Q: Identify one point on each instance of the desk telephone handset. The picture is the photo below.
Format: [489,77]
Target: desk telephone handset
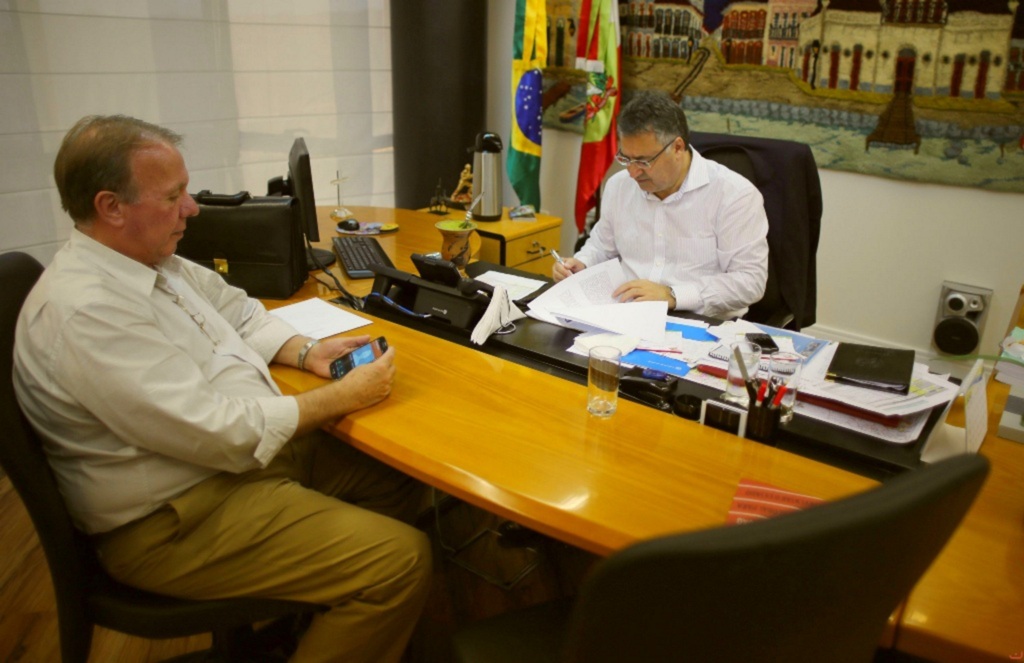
[438,270]
[439,293]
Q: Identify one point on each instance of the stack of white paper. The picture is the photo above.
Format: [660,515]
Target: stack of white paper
[584,301]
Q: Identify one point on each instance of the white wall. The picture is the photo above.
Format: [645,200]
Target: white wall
[886,245]
[240,79]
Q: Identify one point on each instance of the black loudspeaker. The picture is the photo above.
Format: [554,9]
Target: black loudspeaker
[960,318]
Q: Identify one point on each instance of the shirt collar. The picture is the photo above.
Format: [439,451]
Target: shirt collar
[132,274]
[696,177]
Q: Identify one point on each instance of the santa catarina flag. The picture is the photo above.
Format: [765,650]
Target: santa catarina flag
[529,54]
[597,53]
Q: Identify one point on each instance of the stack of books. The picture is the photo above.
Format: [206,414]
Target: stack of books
[1010,366]
[1011,422]
[1010,369]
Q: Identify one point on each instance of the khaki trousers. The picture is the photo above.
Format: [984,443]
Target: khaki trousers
[320,524]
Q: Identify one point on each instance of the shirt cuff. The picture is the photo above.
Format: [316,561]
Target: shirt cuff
[687,297]
[281,420]
[274,333]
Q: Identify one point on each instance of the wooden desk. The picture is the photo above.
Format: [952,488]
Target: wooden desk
[520,443]
[416,234]
[969,606]
[525,245]
[521,244]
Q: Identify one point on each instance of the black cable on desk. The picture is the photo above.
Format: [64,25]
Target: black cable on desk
[397,306]
[346,297]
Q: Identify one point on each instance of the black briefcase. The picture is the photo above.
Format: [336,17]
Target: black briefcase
[255,243]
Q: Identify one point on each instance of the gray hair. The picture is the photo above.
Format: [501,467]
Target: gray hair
[96,155]
[654,111]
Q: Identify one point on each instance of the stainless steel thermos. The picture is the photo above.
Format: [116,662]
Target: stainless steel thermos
[487,179]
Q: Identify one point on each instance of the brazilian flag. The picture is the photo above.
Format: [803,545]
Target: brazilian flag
[529,53]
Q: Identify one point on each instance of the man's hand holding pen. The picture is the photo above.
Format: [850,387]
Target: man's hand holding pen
[565,267]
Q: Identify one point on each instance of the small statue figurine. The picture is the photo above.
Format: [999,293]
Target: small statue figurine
[437,201]
[464,191]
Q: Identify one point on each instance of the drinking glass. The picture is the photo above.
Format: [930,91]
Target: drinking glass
[603,380]
[784,379]
[736,387]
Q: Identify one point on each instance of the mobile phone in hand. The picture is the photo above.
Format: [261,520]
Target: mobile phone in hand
[364,354]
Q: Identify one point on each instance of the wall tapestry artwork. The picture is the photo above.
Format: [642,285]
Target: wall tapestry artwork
[925,90]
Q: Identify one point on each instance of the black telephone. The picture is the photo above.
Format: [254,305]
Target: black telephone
[436,269]
[460,305]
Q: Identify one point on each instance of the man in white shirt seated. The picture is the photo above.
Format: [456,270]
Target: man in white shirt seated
[687,230]
[146,376]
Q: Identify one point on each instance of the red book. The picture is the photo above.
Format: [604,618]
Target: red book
[756,501]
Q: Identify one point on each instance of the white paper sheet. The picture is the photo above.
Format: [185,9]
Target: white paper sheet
[644,320]
[946,440]
[594,285]
[516,286]
[316,318]
[499,316]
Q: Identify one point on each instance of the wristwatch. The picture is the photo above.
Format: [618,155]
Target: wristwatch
[304,351]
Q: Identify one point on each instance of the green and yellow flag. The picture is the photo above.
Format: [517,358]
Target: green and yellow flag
[529,54]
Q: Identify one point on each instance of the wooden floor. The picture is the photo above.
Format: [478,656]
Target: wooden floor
[28,617]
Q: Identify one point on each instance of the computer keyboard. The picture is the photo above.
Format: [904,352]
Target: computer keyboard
[357,252]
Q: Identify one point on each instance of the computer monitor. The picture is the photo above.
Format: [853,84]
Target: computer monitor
[299,185]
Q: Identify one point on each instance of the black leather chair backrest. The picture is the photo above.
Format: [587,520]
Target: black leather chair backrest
[787,177]
[771,309]
[816,585]
[22,458]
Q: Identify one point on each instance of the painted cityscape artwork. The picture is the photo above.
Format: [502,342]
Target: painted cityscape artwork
[926,90]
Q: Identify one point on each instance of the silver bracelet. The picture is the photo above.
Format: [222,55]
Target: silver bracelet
[304,351]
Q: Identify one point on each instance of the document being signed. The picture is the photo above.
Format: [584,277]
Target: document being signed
[584,301]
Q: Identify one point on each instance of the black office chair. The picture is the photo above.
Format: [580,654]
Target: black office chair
[815,585]
[787,177]
[86,595]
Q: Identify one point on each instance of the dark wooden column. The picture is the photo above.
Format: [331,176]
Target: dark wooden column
[439,64]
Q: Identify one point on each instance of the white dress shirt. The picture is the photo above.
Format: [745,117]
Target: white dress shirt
[707,241]
[142,383]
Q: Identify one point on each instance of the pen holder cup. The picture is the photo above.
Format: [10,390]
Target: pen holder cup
[762,423]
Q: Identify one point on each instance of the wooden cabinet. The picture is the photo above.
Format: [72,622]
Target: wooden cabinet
[525,245]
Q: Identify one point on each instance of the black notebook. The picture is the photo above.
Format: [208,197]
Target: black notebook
[886,369]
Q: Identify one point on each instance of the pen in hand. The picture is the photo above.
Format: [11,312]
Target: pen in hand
[558,258]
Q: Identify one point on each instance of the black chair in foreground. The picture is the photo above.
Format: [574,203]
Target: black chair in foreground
[86,595]
[815,585]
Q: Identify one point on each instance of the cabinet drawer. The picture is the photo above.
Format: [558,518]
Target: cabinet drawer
[532,246]
[541,266]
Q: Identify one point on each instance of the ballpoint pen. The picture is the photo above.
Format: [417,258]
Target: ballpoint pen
[558,258]
[751,391]
[777,401]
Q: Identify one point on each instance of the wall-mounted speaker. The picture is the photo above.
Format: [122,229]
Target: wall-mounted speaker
[960,318]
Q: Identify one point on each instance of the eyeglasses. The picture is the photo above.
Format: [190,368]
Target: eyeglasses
[642,163]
